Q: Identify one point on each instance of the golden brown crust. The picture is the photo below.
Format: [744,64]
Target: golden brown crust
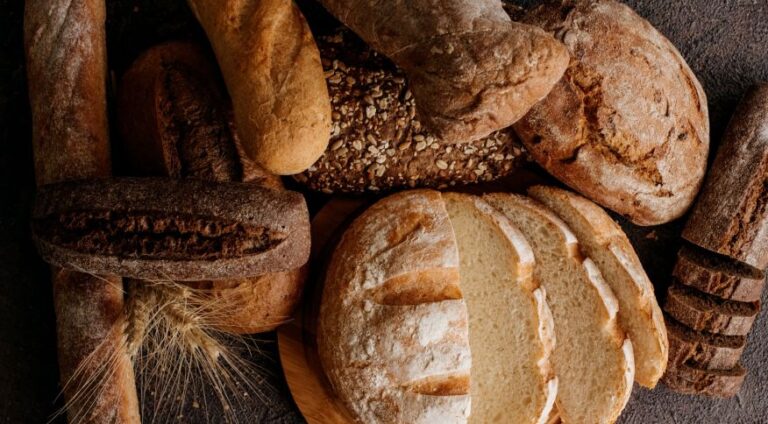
[272,69]
[472,70]
[628,125]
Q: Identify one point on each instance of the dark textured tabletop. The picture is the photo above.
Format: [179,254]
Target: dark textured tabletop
[724,41]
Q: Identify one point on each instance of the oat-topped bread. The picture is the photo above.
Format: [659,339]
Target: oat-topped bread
[377,140]
[472,70]
[604,242]
[627,126]
[428,308]
[593,359]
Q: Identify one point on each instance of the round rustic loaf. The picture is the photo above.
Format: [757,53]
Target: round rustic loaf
[628,125]
[378,143]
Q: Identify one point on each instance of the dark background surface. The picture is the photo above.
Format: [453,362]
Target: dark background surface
[724,41]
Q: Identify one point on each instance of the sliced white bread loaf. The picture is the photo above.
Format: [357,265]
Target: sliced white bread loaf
[393,336]
[511,331]
[605,243]
[593,359]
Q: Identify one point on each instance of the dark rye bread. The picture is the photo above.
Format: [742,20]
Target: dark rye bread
[731,215]
[707,350]
[694,380]
[718,275]
[377,141]
[703,312]
[154,228]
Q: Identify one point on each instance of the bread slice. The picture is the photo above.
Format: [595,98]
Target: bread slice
[707,350]
[604,242]
[694,380]
[511,331]
[593,359]
[718,275]
[393,335]
[704,312]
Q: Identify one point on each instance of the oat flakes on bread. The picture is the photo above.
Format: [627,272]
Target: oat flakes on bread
[593,358]
[627,126]
[605,243]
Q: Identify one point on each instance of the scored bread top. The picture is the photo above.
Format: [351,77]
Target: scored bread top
[393,331]
[593,359]
[604,241]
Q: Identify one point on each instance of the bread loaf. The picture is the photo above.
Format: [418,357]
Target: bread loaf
[694,380]
[707,350]
[628,125]
[593,359]
[66,71]
[703,312]
[160,229]
[377,140]
[603,241]
[731,215]
[472,70]
[272,69]
[718,275]
[395,334]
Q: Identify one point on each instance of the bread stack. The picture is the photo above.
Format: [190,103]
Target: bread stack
[459,308]
[719,275]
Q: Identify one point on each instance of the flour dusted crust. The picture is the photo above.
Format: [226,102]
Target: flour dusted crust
[628,125]
[396,355]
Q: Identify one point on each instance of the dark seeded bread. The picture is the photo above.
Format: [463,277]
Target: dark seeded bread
[707,350]
[718,275]
[703,312]
[377,143]
[693,380]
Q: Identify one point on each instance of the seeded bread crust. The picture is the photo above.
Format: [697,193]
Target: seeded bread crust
[377,140]
[703,312]
[718,276]
[374,324]
[627,126]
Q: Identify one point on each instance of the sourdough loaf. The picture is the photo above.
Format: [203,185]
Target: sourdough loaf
[695,380]
[703,312]
[706,350]
[718,275]
[731,215]
[377,140]
[603,241]
[593,359]
[272,69]
[472,70]
[627,126]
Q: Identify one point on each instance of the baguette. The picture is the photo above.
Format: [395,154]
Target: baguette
[174,121]
[66,69]
[472,70]
[628,125]
[718,275]
[703,312]
[731,215]
[604,241]
[272,69]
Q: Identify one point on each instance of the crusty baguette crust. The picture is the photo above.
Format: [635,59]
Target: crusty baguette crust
[628,125]
[272,69]
[66,70]
[731,215]
[607,244]
[703,312]
[373,354]
[471,69]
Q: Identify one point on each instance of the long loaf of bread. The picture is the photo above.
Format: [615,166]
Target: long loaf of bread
[472,70]
[272,69]
[66,69]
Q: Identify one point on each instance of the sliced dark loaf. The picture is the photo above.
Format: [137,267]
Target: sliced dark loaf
[717,275]
[377,143]
[694,380]
[707,350]
[703,312]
